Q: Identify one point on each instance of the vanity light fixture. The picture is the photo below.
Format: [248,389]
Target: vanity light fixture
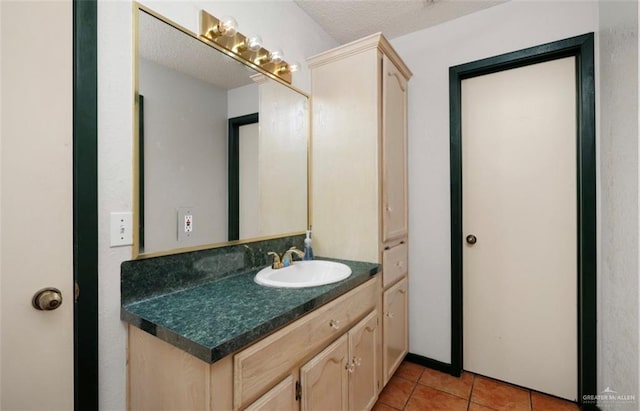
[227,26]
[251,43]
[289,68]
[224,33]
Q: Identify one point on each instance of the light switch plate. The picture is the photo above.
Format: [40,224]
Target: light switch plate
[121,229]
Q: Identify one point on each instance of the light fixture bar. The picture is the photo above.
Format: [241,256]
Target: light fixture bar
[244,47]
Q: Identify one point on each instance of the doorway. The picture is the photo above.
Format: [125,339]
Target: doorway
[576,54]
[240,176]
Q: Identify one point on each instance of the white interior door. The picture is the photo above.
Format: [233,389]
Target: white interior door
[520,202]
[36,347]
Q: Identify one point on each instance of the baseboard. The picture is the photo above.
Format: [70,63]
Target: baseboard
[431,363]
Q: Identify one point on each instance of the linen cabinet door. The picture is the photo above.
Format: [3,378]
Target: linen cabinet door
[282,397]
[395,337]
[394,152]
[364,370]
[325,379]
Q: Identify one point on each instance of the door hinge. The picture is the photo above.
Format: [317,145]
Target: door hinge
[298,391]
[76,291]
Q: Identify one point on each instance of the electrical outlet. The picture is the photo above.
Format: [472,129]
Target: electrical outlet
[185,223]
[188,223]
[121,229]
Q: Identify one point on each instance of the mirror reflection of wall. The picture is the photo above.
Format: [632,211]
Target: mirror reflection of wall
[191,90]
[281,164]
[185,148]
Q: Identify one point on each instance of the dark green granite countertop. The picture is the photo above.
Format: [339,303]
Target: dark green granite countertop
[215,319]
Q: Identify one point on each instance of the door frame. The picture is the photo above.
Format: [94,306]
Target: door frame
[234,171]
[580,47]
[85,204]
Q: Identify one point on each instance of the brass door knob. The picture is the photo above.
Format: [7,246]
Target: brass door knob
[471,239]
[47,299]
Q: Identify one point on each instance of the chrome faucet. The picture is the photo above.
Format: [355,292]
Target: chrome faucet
[286,259]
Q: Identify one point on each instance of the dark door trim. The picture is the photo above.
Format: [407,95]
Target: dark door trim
[234,171]
[85,204]
[140,172]
[582,48]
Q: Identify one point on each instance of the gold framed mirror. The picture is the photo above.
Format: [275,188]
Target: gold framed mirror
[221,147]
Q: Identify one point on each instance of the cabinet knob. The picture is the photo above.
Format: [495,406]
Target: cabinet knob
[335,324]
[357,361]
[350,367]
[389,315]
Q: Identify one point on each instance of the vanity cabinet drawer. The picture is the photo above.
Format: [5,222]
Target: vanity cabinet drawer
[263,364]
[394,264]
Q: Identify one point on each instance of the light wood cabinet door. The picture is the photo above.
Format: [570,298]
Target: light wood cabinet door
[262,365]
[394,263]
[325,379]
[364,360]
[394,152]
[395,339]
[282,397]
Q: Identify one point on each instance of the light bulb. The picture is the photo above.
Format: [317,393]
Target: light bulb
[228,26]
[254,42]
[294,66]
[276,56]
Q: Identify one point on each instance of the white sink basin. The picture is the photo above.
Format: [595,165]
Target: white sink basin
[303,274]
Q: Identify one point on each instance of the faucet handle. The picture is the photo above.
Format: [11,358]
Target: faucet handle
[295,251]
[287,257]
[276,260]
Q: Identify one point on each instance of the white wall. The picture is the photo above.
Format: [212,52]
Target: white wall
[185,147]
[115,189]
[618,128]
[243,100]
[275,21]
[1,99]
[429,54]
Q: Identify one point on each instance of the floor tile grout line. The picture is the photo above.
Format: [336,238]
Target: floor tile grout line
[415,384]
[443,391]
[473,384]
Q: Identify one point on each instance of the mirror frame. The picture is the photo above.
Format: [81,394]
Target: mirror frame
[138,174]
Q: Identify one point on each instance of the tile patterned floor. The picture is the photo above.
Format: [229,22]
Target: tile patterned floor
[416,388]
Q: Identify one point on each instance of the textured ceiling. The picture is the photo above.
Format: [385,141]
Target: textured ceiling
[348,20]
[168,46]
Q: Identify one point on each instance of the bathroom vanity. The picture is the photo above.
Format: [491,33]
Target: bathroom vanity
[230,343]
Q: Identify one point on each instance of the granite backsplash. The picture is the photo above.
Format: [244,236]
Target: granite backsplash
[151,277]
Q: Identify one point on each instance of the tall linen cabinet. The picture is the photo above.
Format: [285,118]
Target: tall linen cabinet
[359,172]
